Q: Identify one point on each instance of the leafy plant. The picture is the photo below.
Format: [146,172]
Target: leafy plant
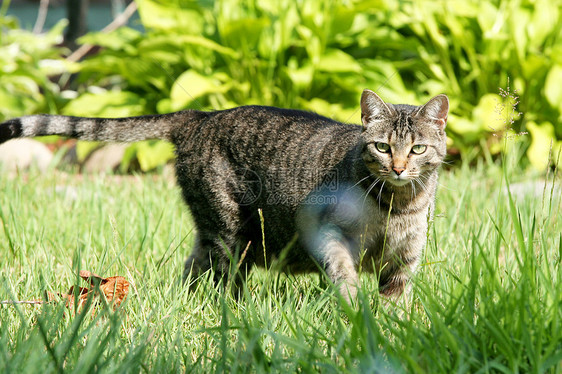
[319,55]
[471,50]
[26,63]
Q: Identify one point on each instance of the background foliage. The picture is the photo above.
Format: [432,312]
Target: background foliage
[315,55]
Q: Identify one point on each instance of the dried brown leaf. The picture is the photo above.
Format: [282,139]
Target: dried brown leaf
[90,277]
[114,289]
[83,294]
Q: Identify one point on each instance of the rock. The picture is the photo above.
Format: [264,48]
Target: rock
[533,188]
[18,154]
[107,158]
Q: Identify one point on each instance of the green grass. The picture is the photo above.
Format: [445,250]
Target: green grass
[488,297]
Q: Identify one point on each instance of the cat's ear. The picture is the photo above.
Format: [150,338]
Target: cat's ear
[372,107]
[435,110]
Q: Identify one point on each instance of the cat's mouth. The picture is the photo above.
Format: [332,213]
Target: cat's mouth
[398,180]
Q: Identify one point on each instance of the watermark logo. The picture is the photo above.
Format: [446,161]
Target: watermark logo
[285,186]
[247,187]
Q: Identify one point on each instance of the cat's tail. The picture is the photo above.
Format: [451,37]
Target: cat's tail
[129,129]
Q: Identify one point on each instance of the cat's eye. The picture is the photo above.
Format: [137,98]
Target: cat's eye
[382,147]
[419,149]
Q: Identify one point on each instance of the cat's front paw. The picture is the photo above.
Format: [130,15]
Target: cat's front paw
[395,292]
[348,291]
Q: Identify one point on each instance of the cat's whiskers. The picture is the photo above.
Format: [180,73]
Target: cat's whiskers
[424,177]
[367,177]
[379,197]
[421,183]
[370,189]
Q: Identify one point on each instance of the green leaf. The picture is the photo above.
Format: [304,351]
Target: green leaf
[110,104]
[153,153]
[490,114]
[55,33]
[16,103]
[469,130]
[242,33]
[553,87]
[51,67]
[84,148]
[487,17]
[535,65]
[181,42]
[164,106]
[543,139]
[191,85]
[120,39]
[302,76]
[337,61]
[544,21]
[520,16]
[208,44]
[171,17]
[128,157]
[336,111]
[342,20]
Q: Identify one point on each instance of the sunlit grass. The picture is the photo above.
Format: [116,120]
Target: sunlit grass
[486,299]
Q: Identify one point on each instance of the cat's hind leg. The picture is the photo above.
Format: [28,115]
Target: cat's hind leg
[222,254]
[214,195]
[198,262]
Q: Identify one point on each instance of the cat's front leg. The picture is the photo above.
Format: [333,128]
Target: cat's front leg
[394,282]
[339,264]
[404,243]
[394,286]
[329,233]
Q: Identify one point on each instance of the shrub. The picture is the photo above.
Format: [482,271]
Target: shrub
[319,56]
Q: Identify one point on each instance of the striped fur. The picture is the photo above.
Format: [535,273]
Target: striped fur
[129,129]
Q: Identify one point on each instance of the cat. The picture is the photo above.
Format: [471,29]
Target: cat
[330,196]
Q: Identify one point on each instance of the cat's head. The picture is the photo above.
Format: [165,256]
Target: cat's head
[403,142]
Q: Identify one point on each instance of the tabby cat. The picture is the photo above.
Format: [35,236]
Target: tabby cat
[329,195]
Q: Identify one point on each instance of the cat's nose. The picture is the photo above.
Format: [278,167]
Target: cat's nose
[398,170]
